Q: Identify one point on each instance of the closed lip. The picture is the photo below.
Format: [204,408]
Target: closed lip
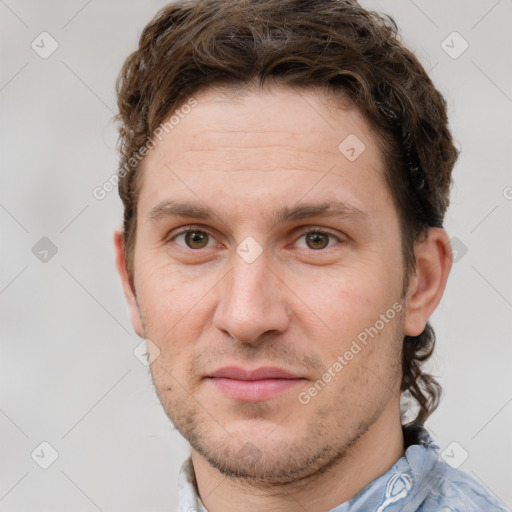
[262,373]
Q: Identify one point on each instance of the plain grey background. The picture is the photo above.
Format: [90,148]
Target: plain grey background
[69,375]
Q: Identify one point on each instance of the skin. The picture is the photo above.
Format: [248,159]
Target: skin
[295,307]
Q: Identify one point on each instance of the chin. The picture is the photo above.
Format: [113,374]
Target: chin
[264,456]
[267,465]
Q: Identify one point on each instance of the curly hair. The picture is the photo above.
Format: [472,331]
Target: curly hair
[337,45]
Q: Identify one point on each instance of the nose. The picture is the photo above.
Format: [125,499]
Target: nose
[253,302]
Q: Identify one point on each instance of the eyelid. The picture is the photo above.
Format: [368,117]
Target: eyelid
[185,229]
[316,229]
[302,230]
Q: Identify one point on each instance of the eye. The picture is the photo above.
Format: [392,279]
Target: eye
[194,239]
[317,240]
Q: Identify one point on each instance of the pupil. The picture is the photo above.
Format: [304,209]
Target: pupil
[196,239]
[317,240]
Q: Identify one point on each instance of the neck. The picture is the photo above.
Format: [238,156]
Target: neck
[371,456]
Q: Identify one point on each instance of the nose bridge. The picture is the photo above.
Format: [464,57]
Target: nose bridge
[252,301]
[249,285]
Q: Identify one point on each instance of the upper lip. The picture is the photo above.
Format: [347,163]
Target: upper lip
[262,373]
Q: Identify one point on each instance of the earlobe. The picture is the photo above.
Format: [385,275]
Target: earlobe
[128,288]
[426,287]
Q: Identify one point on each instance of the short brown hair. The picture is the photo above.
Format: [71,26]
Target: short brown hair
[334,44]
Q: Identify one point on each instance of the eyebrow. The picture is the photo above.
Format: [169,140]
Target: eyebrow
[328,209]
[168,209]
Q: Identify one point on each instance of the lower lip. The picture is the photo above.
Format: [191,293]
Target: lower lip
[254,390]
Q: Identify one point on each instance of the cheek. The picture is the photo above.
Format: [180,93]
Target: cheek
[175,308]
[347,300]
[166,290]
[370,374]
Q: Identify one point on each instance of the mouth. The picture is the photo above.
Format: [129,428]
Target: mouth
[256,385]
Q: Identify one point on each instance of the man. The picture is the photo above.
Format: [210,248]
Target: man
[285,171]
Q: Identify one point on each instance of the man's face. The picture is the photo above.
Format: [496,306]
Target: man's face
[249,311]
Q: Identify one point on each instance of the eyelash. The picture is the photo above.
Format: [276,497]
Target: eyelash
[308,231]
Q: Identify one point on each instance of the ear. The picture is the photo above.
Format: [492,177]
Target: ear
[129,290]
[426,287]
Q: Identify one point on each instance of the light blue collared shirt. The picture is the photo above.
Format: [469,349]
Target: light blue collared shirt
[418,482]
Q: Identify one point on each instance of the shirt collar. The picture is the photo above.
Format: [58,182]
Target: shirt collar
[418,481]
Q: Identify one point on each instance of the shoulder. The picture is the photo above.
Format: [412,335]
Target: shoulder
[444,488]
[454,490]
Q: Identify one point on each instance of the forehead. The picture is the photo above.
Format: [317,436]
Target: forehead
[298,117]
[279,142]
